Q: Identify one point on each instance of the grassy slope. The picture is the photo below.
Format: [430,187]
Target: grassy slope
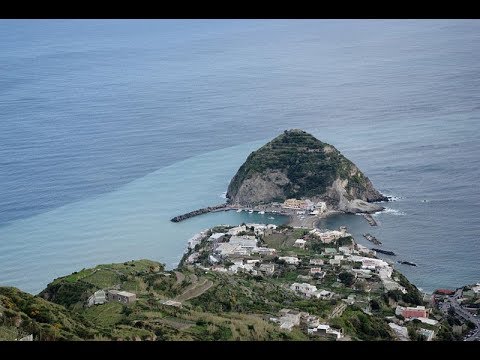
[23,314]
[234,307]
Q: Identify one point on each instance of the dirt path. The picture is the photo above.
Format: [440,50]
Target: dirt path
[194,290]
[180,277]
[338,311]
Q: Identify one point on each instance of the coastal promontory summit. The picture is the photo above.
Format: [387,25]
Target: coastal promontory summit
[297,166]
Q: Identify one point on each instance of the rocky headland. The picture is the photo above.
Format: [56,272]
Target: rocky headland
[297,165]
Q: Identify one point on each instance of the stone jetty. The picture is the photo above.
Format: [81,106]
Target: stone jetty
[199,212]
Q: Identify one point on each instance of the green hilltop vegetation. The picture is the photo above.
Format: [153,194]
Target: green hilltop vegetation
[212,305]
[301,166]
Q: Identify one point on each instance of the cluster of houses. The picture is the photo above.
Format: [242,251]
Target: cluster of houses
[304,206]
[288,318]
[238,249]
[329,236]
[410,313]
[101,297]
[235,246]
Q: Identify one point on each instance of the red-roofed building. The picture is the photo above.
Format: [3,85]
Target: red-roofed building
[415,312]
[444,292]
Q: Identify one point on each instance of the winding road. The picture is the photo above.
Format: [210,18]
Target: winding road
[452,301]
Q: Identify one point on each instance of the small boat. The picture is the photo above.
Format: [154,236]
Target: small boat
[239,210]
[407,263]
[271,217]
[261,212]
[250,211]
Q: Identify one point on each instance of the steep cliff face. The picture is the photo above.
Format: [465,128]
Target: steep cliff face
[297,165]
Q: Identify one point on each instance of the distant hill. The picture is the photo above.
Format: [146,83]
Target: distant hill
[297,165]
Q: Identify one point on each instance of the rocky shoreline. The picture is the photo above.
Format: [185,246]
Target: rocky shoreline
[294,219]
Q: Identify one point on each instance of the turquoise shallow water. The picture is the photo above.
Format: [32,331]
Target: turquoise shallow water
[129,223]
[110,128]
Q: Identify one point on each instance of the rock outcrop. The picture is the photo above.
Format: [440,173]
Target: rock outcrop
[297,165]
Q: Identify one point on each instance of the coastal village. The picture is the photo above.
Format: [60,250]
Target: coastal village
[257,281]
[324,265]
[264,282]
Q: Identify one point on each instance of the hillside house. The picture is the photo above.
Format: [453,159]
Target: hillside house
[325,330]
[317,262]
[304,288]
[412,312]
[291,260]
[289,319]
[267,269]
[317,273]
[300,243]
[98,298]
[124,297]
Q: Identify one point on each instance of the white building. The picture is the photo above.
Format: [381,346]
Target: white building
[264,251]
[325,330]
[98,298]
[268,269]
[245,242]
[345,250]
[216,237]
[227,249]
[365,251]
[363,273]
[316,262]
[219,268]
[300,243]
[317,272]
[330,236]
[288,319]
[240,266]
[321,206]
[291,260]
[323,294]
[400,331]
[309,291]
[428,321]
[303,288]
[236,230]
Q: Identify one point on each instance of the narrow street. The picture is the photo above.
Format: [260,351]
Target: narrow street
[452,301]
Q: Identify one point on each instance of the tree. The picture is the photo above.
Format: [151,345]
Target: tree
[347,278]
[345,241]
[374,305]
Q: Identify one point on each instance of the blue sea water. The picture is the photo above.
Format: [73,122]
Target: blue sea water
[108,128]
